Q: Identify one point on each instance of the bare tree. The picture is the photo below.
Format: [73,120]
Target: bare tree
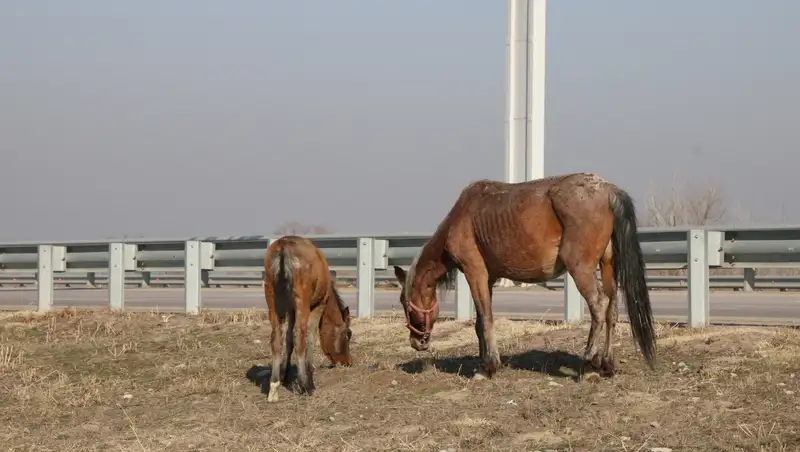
[692,206]
[689,206]
[297,228]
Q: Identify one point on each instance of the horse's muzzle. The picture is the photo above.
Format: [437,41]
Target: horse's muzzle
[419,344]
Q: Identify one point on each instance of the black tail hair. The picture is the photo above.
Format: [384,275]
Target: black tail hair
[629,272]
[283,279]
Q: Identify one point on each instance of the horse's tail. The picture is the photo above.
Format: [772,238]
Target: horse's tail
[629,272]
[282,265]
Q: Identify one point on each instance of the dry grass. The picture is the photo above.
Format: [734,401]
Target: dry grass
[81,380]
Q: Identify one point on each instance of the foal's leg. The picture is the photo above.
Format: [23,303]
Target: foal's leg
[304,372]
[280,359]
[307,360]
[289,347]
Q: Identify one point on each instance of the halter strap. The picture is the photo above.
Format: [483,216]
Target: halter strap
[425,312]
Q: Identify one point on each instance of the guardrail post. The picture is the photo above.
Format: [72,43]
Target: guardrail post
[749,280]
[698,279]
[44,278]
[464,304]
[192,277]
[116,276]
[573,301]
[365,283]
[145,280]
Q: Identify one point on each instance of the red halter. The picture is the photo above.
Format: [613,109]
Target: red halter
[425,312]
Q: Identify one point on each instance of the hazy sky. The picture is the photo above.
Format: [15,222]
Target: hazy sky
[225,118]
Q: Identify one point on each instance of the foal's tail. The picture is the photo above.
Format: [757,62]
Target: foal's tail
[629,271]
[282,265]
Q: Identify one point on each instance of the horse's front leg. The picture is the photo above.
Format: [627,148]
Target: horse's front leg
[481,291]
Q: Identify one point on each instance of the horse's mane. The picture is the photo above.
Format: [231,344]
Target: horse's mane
[338,297]
[434,249]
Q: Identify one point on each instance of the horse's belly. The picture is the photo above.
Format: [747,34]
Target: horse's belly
[522,267]
[538,273]
[519,237]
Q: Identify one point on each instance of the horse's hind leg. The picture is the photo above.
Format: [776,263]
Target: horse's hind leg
[612,312]
[581,264]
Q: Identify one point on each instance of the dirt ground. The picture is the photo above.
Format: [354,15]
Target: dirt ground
[86,381]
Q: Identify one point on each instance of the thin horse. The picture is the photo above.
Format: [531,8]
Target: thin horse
[533,232]
[302,298]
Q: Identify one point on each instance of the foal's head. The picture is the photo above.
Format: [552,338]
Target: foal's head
[420,305]
[335,331]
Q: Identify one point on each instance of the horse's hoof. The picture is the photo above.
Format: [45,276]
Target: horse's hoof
[492,365]
[479,376]
[595,363]
[607,369]
[591,377]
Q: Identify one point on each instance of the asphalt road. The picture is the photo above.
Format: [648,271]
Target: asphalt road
[726,307]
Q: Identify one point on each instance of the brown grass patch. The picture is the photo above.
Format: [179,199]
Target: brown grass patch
[83,380]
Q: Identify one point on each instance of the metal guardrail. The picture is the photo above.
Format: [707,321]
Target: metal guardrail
[697,250]
[211,280]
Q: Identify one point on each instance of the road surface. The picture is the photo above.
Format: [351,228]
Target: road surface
[726,307]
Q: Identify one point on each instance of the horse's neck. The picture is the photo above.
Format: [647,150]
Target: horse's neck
[332,309]
[430,265]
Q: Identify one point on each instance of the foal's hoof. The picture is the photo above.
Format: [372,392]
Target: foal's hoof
[308,390]
[479,375]
[273,391]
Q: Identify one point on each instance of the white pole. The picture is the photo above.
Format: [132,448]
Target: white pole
[525,87]
[515,86]
[537,43]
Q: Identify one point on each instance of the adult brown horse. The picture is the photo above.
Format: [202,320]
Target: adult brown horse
[302,298]
[533,232]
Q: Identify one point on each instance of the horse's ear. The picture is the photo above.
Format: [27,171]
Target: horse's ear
[400,274]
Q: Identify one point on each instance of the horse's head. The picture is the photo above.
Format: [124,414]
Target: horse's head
[335,334]
[420,305]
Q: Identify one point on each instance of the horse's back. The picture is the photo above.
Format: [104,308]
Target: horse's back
[512,226]
[519,226]
[301,248]
[308,262]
